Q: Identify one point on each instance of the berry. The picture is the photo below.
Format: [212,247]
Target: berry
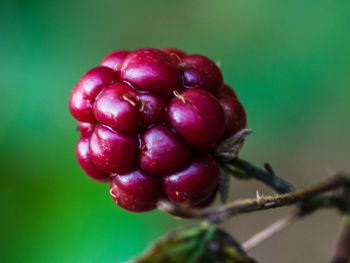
[136,191]
[84,93]
[226,90]
[202,73]
[115,60]
[113,152]
[85,128]
[235,116]
[201,205]
[117,106]
[198,117]
[163,151]
[195,183]
[208,201]
[176,54]
[149,121]
[86,163]
[151,70]
[152,110]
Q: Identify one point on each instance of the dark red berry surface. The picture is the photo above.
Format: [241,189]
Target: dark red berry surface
[149,121]
[85,92]
[208,201]
[151,70]
[136,191]
[115,60]
[152,109]
[202,73]
[85,128]
[201,205]
[117,106]
[112,151]
[236,118]
[163,151]
[198,117]
[86,163]
[195,183]
[226,90]
[176,54]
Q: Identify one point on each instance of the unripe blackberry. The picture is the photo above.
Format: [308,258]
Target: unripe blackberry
[149,121]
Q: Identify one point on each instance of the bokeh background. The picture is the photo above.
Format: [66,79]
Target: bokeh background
[288,61]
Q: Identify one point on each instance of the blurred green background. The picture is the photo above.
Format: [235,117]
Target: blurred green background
[288,60]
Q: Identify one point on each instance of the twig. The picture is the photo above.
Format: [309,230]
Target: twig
[269,231]
[218,214]
[338,199]
[227,153]
[266,176]
[342,249]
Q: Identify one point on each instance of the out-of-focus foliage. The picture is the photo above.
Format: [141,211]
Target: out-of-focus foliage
[195,244]
[288,61]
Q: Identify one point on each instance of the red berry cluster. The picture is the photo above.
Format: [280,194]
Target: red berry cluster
[149,120]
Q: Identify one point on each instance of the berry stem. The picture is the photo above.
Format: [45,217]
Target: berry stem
[267,176]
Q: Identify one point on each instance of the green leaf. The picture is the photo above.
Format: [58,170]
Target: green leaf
[195,244]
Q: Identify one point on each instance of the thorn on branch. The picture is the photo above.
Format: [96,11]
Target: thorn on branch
[269,169]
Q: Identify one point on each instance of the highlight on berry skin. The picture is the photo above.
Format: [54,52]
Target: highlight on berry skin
[149,121]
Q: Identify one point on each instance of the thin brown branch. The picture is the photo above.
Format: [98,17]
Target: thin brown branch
[269,231]
[342,249]
[221,213]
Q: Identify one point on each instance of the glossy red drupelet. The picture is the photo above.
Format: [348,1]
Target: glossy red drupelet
[198,116]
[136,191]
[115,60]
[149,120]
[85,92]
[163,151]
[86,163]
[112,151]
[235,116]
[117,106]
[193,184]
[202,73]
[151,70]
